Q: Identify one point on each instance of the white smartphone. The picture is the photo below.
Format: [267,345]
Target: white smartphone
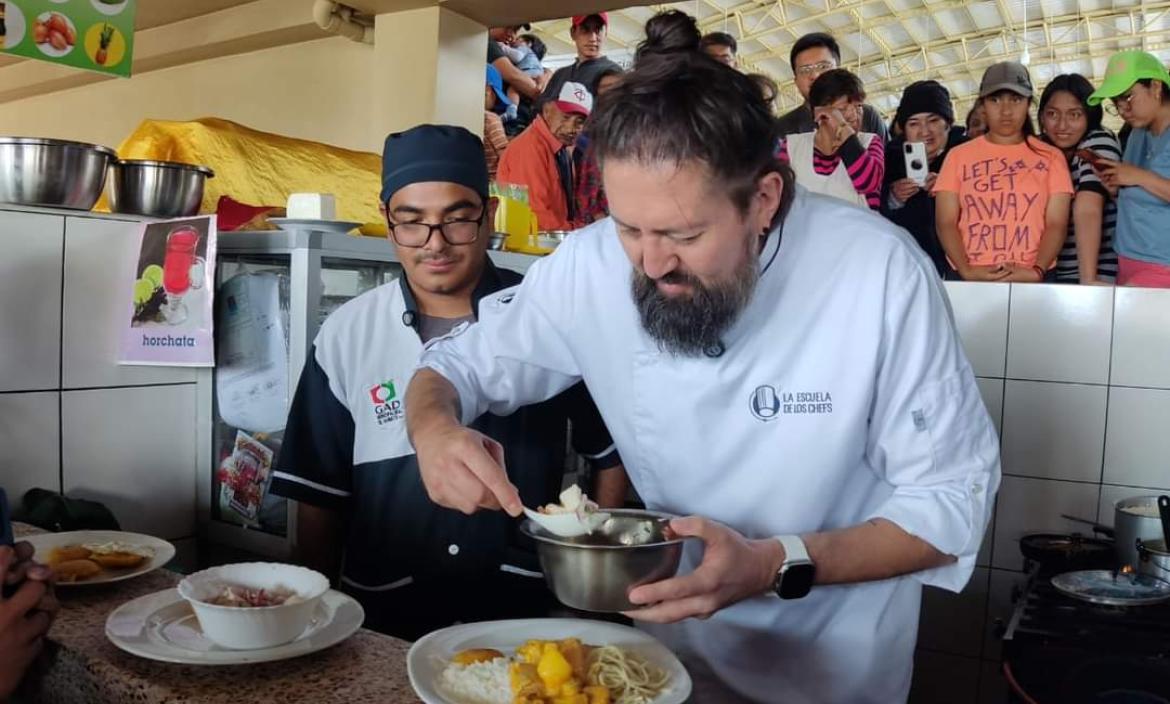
[917,167]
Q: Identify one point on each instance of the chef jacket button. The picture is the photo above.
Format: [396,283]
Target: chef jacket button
[976,488]
[715,350]
[452,549]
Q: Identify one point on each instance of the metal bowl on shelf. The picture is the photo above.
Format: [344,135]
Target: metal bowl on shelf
[595,572]
[497,241]
[161,189]
[52,173]
[551,239]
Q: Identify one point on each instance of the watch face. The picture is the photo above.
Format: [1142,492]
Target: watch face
[795,581]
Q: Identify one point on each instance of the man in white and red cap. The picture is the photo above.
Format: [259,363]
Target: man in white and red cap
[541,158]
[588,33]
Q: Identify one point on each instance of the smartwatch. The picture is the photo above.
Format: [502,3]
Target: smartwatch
[796,575]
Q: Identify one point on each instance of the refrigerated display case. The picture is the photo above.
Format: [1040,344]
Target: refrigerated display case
[273,291]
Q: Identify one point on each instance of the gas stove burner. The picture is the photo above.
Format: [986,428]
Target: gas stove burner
[1064,650]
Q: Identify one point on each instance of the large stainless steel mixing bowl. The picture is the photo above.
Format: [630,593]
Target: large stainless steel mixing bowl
[161,189]
[52,173]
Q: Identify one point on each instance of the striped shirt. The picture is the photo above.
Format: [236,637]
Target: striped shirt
[1085,179]
[495,141]
[866,166]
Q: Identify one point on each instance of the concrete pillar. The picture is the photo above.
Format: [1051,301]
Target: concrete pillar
[428,67]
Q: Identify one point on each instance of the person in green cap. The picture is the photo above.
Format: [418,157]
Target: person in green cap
[1138,86]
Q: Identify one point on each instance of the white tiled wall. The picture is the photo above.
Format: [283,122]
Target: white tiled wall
[1077,379]
[992,392]
[981,315]
[1141,338]
[1060,333]
[1053,431]
[1137,443]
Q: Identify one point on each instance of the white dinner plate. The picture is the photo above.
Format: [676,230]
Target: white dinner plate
[339,226]
[430,654]
[162,626]
[161,551]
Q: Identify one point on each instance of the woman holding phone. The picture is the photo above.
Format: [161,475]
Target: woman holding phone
[1002,200]
[926,118]
[1138,86]
[1070,124]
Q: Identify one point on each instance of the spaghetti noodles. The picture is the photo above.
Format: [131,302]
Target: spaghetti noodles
[629,678]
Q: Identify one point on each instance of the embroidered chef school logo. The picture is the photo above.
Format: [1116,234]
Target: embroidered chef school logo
[387,406]
[765,403]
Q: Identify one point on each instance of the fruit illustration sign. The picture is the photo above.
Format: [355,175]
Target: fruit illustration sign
[97,35]
[169,319]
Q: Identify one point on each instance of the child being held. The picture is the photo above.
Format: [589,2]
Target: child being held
[526,54]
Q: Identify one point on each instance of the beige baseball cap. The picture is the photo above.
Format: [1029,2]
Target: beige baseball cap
[1006,75]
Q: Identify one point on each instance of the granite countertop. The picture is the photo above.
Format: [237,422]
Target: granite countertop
[80,666]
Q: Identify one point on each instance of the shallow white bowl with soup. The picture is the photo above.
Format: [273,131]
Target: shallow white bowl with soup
[253,605]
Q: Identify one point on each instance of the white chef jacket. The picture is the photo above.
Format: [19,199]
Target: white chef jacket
[841,394]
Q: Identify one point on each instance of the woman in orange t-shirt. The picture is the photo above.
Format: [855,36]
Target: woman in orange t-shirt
[1002,200]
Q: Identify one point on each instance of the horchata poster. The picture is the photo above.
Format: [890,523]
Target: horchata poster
[169,321]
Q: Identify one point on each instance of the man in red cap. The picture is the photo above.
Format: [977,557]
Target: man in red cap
[541,158]
[588,33]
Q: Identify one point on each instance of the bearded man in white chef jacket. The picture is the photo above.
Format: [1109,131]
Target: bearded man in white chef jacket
[777,366]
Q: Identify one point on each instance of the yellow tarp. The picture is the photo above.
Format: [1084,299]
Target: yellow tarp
[259,168]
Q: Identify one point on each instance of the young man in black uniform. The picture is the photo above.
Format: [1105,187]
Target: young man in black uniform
[346,459]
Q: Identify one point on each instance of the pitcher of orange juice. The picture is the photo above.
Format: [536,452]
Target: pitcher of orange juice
[513,216]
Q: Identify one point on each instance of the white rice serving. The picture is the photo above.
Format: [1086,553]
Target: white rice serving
[478,683]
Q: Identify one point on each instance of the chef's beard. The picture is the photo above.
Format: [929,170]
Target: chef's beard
[689,324]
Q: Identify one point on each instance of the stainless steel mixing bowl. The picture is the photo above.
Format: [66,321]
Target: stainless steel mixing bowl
[161,189]
[52,173]
[596,572]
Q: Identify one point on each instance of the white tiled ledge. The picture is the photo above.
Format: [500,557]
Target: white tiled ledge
[1065,333]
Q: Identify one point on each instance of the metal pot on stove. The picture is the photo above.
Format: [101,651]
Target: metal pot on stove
[1135,519]
[1153,559]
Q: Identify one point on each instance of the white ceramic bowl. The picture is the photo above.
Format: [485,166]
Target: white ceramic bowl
[243,628]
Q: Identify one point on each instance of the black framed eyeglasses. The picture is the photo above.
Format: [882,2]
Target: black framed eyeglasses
[453,232]
[1120,103]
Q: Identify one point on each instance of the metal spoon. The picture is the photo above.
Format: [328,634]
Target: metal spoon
[567,525]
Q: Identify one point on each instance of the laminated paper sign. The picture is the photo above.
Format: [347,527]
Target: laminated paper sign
[95,35]
[169,321]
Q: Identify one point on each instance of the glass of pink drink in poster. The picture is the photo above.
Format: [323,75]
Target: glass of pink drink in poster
[182,271]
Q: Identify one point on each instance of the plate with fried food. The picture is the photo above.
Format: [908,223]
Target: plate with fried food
[100,556]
